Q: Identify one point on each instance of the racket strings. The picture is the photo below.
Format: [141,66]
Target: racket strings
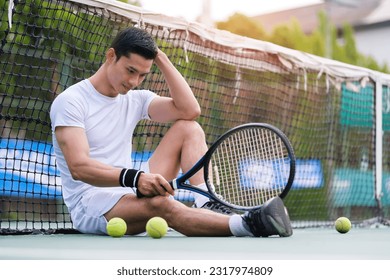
[250,166]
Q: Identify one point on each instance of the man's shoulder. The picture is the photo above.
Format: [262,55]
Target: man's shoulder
[81,85]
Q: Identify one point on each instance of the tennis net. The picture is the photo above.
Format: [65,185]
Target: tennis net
[337,116]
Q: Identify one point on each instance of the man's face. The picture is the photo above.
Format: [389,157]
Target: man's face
[128,72]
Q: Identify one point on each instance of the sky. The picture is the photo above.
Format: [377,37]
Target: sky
[220,9]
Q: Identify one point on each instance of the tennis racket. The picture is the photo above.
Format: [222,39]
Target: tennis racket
[245,167]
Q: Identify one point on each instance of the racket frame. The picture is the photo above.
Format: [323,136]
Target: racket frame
[181,181]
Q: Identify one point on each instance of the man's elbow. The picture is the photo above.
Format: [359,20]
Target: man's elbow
[77,176]
[195,113]
[76,172]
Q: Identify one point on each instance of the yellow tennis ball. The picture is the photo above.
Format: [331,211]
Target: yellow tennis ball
[343,225]
[156,227]
[116,227]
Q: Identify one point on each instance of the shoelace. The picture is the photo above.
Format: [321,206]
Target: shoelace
[256,225]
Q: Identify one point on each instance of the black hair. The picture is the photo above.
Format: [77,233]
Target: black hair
[134,40]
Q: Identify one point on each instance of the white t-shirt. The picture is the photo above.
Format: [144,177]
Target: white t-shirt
[109,123]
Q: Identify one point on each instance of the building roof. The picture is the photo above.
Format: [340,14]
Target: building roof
[357,13]
[380,14]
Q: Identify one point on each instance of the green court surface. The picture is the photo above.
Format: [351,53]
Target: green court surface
[305,244]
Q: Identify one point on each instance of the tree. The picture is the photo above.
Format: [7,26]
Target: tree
[244,26]
[132,2]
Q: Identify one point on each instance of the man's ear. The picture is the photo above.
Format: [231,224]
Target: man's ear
[110,55]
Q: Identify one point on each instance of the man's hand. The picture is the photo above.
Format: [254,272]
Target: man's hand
[150,184]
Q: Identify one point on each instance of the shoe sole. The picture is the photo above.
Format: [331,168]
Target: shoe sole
[282,231]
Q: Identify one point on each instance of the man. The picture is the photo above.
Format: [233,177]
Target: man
[93,123]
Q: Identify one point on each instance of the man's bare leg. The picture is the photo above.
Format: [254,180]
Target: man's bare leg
[188,221]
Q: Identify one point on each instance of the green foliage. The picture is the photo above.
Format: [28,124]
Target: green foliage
[291,36]
[351,52]
[131,2]
[243,25]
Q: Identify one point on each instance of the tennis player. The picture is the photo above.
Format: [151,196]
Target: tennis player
[93,122]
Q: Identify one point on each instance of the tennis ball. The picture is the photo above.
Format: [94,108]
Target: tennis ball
[343,225]
[156,227]
[116,227]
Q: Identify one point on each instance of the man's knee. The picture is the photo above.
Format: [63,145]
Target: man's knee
[166,205]
[191,128]
[159,203]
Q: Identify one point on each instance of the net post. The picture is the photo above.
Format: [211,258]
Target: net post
[378,142]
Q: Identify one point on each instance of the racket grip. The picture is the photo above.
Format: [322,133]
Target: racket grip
[173,184]
[139,194]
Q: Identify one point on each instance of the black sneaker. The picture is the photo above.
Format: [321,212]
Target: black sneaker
[271,219]
[217,207]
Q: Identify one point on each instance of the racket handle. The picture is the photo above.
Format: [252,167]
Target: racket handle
[173,184]
[139,194]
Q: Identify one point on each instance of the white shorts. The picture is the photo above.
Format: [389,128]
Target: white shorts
[88,215]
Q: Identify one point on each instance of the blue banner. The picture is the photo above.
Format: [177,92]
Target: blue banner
[261,174]
[27,169]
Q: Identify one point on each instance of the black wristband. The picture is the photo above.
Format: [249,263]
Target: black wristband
[129,178]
